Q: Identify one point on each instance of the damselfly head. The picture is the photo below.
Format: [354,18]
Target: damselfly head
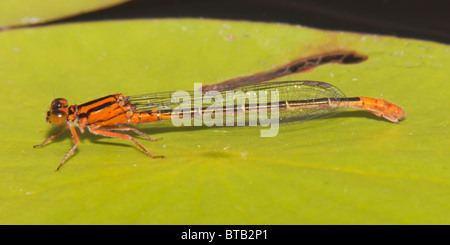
[58,112]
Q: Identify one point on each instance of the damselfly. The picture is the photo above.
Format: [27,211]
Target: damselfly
[297,100]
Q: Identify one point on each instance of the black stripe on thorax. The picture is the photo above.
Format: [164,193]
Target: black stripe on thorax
[97,100]
[97,108]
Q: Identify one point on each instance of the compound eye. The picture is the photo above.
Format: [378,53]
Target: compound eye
[57,117]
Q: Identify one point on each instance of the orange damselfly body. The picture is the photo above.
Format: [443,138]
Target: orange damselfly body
[296,100]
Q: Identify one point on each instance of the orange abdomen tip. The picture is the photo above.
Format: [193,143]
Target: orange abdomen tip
[383,108]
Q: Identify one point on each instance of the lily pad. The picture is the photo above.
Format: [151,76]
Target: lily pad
[353,168]
[29,12]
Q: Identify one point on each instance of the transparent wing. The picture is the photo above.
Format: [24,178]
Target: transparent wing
[297,100]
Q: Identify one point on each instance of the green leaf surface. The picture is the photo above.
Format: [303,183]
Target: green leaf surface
[353,168]
[29,12]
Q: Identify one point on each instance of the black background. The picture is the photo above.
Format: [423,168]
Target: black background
[427,20]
